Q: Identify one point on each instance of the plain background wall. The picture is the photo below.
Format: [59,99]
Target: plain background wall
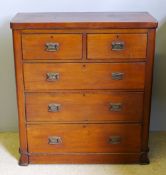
[8,107]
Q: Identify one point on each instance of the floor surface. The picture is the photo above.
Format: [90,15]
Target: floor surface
[9,161]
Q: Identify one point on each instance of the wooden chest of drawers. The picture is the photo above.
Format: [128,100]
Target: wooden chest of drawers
[84,86]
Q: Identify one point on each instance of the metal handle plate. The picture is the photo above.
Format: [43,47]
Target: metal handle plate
[118,45]
[52,47]
[114,140]
[54,107]
[115,107]
[117,76]
[54,140]
[52,76]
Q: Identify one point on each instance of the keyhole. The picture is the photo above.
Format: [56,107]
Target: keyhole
[84,126]
[84,66]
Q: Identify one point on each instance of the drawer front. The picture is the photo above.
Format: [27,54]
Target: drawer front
[52,46]
[79,107]
[119,46]
[84,76]
[61,138]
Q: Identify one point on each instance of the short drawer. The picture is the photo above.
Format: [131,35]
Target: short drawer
[52,46]
[118,46]
[84,107]
[42,76]
[78,138]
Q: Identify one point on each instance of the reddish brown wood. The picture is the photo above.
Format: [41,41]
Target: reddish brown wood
[34,46]
[100,46]
[85,86]
[83,20]
[85,158]
[147,97]
[86,31]
[84,76]
[84,107]
[87,138]
[24,160]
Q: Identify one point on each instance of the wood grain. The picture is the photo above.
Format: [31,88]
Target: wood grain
[84,107]
[70,46]
[85,138]
[85,87]
[85,158]
[84,76]
[148,91]
[24,159]
[90,20]
[100,46]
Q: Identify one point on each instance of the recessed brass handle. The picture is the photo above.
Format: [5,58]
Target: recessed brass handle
[115,107]
[52,76]
[52,47]
[54,140]
[117,76]
[118,45]
[114,140]
[54,107]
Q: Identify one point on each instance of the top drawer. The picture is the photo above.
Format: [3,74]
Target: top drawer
[52,46]
[118,46]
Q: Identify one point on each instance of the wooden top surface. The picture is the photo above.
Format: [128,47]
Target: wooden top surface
[83,20]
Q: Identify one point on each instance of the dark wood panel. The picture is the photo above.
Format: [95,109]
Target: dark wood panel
[84,76]
[100,46]
[84,138]
[67,46]
[85,158]
[84,107]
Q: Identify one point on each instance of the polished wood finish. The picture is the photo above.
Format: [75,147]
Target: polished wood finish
[24,159]
[100,46]
[85,158]
[84,76]
[94,138]
[90,20]
[148,92]
[34,46]
[84,107]
[101,96]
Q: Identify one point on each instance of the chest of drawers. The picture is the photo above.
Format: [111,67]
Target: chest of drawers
[84,86]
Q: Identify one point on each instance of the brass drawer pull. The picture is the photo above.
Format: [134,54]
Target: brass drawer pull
[52,76]
[115,107]
[54,140]
[54,107]
[118,45]
[117,76]
[114,140]
[52,47]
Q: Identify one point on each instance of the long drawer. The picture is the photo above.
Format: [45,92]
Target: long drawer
[40,76]
[78,138]
[84,107]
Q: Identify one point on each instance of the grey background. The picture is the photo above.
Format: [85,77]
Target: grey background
[8,105]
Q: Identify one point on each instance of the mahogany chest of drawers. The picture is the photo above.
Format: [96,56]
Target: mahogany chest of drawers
[84,86]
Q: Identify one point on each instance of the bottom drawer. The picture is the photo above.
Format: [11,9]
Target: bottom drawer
[84,138]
